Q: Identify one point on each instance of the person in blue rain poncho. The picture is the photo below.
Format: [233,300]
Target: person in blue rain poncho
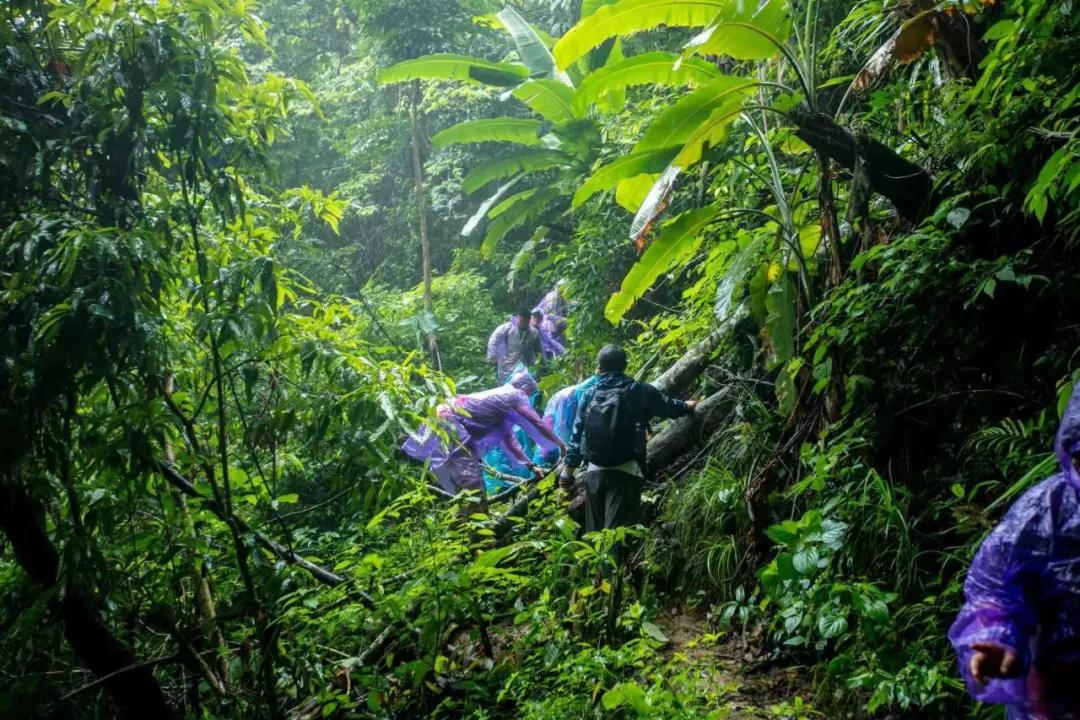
[560,412]
[1017,636]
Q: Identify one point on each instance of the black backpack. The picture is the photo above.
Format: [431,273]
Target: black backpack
[610,428]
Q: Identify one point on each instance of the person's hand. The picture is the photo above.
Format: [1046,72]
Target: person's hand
[566,479]
[991,660]
[537,472]
[691,405]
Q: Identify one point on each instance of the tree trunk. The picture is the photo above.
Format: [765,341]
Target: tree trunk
[135,690]
[681,435]
[908,186]
[687,368]
[204,598]
[422,212]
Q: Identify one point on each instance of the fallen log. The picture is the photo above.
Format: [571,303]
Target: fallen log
[686,369]
[684,433]
[908,186]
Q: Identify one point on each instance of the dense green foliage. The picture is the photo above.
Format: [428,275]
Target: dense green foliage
[215,337]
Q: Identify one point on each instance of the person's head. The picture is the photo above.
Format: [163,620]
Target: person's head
[524,382]
[611,358]
[521,318]
[537,318]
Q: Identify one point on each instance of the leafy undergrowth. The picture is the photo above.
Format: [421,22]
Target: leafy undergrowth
[481,619]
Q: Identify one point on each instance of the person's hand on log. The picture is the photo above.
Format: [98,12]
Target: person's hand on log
[537,472]
[566,479]
[691,405]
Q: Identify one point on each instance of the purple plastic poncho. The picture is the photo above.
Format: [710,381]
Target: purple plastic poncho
[508,346]
[550,334]
[474,424]
[553,303]
[1023,592]
[553,327]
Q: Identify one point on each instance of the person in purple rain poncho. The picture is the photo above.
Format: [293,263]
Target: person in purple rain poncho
[553,312]
[549,345]
[513,342]
[1018,634]
[476,423]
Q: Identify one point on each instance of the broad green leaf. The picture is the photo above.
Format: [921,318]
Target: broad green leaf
[655,68]
[482,211]
[632,193]
[780,322]
[676,242]
[745,30]
[677,124]
[709,134]
[531,49]
[614,99]
[501,167]
[491,558]
[520,213]
[503,129]
[806,560]
[633,16]
[653,631]
[627,166]
[510,202]
[449,66]
[550,99]
[588,7]
[831,623]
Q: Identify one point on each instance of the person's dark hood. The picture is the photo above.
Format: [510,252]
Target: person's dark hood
[1068,437]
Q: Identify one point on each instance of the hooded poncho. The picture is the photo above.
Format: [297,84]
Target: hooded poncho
[475,424]
[1023,592]
[551,337]
[509,346]
[553,327]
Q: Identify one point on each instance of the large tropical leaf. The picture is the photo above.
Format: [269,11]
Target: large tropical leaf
[680,121]
[482,211]
[631,193]
[519,213]
[448,66]
[627,166]
[531,48]
[711,132]
[634,16]
[745,30]
[520,131]
[724,110]
[780,321]
[529,161]
[510,202]
[550,99]
[655,68]
[677,242]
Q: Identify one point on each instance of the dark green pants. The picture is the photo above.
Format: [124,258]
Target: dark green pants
[613,499]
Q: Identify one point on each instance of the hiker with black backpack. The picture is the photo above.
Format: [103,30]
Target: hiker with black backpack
[609,438]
